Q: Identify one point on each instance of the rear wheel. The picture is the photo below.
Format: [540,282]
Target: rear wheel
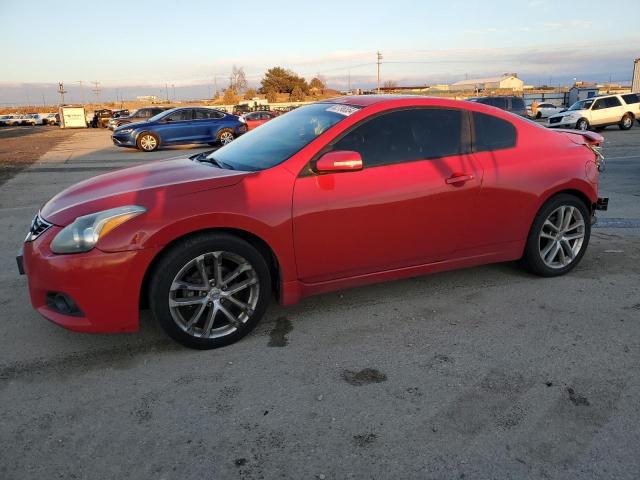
[582,124]
[147,142]
[210,290]
[626,122]
[539,115]
[225,137]
[559,236]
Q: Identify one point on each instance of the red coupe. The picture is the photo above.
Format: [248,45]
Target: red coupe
[255,119]
[329,196]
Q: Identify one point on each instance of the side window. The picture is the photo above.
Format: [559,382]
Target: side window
[599,104]
[631,98]
[405,136]
[517,104]
[180,115]
[612,102]
[500,103]
[202,113]
[492,133]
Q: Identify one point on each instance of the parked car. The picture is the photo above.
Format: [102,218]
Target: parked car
[140,115]
[181,126]
[545,110]
[511,104]
[101,118]
[35,118]
[120,113]
[255,119]
[333,195]
[599,112]
[51,119]
[6,120]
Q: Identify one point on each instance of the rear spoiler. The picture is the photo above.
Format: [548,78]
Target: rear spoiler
[591,138]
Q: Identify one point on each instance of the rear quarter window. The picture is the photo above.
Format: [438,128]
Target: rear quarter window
[492,133]
[631,98]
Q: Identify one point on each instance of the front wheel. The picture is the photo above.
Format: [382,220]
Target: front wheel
[147,142]
[627,122]
[559,236]
[582,124]
[210,290]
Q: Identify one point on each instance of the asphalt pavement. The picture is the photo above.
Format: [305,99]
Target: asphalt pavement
[486,373]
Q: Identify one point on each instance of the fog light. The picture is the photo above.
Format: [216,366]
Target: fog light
[64,304]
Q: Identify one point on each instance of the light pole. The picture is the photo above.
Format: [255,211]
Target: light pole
[81,90]
[379,58]
[61,91]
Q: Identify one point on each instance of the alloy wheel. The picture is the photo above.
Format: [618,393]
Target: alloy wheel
[561,237]
[226,138]
[583,125]
[214,295]
[148,142]
[627,121]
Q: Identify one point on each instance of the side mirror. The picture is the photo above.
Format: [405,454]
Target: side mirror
[339,161]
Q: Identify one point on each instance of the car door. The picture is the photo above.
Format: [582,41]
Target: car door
[206,123]
[403,208]
[499,221]
[177,127]
[599,113]
[614,109]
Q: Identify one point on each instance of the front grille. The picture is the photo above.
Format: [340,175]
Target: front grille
[38,227]
[555,120]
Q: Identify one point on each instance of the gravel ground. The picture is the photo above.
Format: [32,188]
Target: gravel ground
[479,373]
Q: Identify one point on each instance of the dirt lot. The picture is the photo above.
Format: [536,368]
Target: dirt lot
[479,373]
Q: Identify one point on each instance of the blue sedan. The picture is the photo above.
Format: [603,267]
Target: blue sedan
[180,126]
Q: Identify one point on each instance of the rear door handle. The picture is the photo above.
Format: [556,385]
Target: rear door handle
[459,178]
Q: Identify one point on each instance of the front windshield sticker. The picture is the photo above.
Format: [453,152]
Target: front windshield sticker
[345,110]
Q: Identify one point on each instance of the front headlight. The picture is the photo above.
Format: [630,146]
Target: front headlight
[83,234]
[125,130]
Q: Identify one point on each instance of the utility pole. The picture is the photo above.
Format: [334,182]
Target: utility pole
[61,91]
[81,91]
[166,91]
[96,90]
[174,92]
[349,81]
[44,104]
[379,58]
[215,85]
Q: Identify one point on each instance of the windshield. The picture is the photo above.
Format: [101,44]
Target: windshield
[277,140]
[582,105]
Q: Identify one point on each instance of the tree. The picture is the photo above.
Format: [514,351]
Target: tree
[238,80]
[390,84]
[230,97]
[317,83]
[279,80]
[250,93]
[297,95]
[272,96]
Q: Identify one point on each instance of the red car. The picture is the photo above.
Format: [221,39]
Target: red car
[255,119]
[332,195]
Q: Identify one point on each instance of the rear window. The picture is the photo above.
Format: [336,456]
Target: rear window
[612,102]
[631,98]
[517,104]
[492,133]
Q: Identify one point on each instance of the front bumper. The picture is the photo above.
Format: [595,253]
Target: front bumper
[563,123]
[104,286]
[123,140]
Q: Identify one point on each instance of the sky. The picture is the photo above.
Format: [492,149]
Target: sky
[137,47]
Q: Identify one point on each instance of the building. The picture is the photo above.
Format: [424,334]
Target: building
[508,81]
[582,91]
[635,79]
[147,98]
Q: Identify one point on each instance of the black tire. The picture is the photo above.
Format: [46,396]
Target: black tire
[174,261]
[144,142]
[539,115]
[532,259]
[582,124]
[223,135]
[626,122]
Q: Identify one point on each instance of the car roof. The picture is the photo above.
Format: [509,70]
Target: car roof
[403,100]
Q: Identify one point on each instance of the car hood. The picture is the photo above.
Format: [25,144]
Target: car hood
[132,124]
[564,113]
[145,185]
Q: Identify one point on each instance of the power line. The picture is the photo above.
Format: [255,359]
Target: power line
[61,91]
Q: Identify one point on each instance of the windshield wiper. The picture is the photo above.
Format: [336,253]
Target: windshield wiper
[203,157]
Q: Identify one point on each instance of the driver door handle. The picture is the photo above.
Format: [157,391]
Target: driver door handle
[459,178]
